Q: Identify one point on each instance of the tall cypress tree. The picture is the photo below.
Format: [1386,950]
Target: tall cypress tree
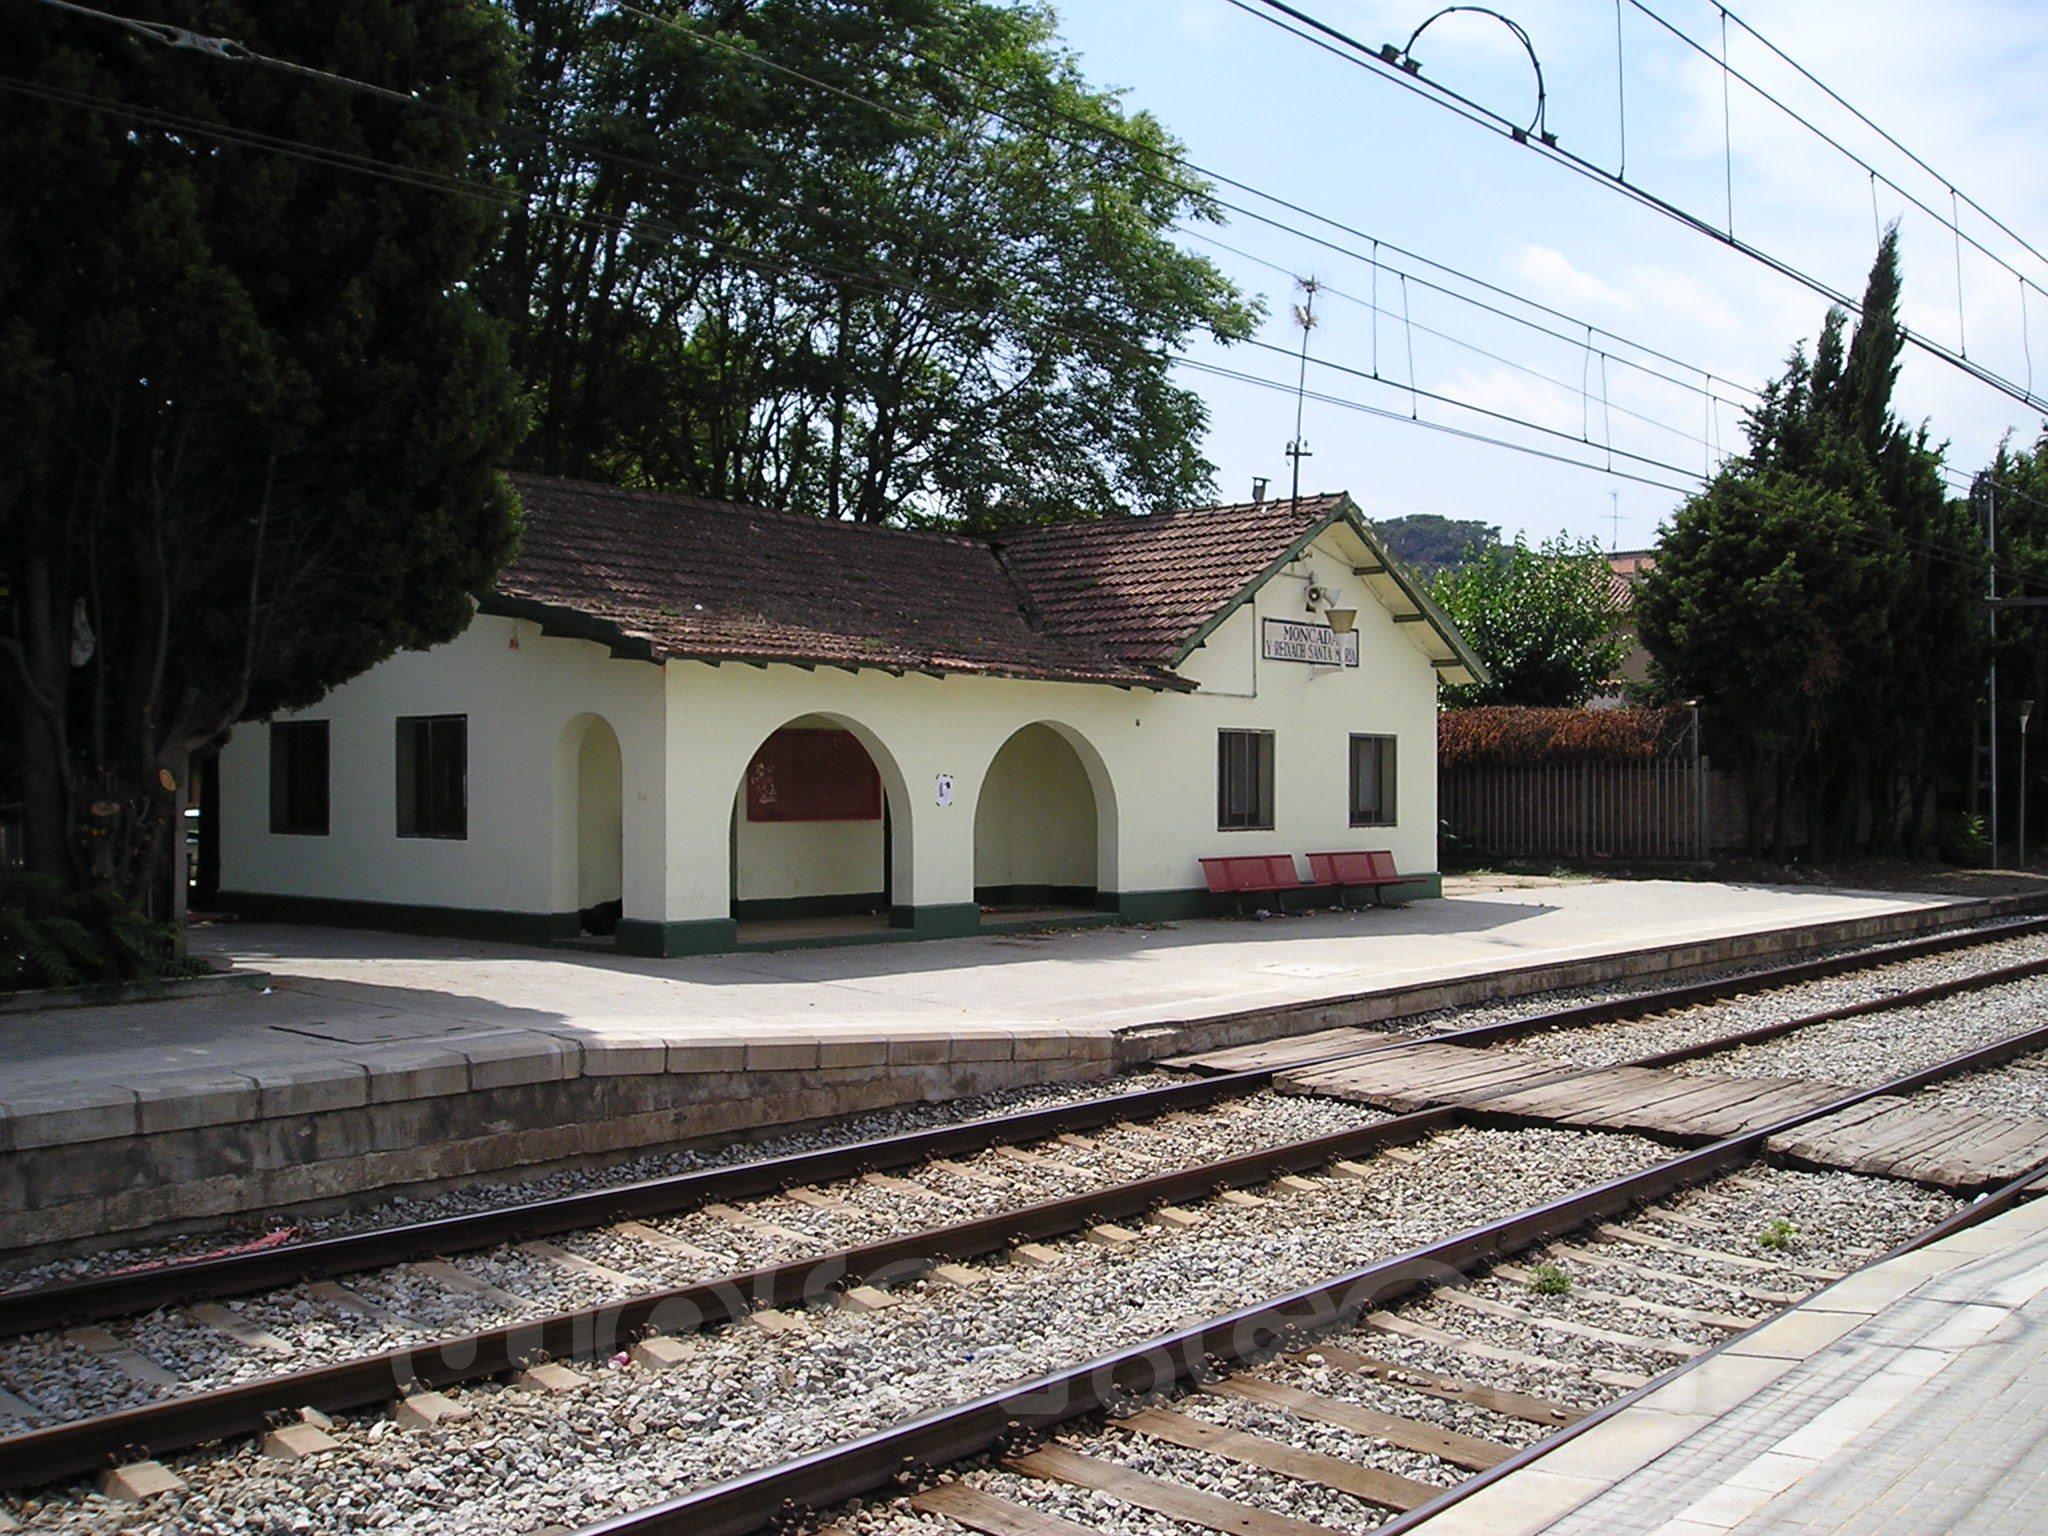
[252,414]
[1822,593]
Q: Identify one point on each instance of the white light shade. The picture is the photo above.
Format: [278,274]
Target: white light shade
[1342,620]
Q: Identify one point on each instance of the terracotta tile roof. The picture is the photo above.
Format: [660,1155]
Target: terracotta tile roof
[1142,586]
[677,576]
[1629,567]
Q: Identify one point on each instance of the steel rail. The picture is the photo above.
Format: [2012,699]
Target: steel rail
[758,1500]
[98,1297]
[1749,983]
[2013,1192]
[101,1297]
[43,1455]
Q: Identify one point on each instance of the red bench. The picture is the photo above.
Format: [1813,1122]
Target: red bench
[1372,868]
[1248,874]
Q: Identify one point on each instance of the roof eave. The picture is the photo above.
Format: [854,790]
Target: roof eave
[1462,663]
[569,623]
[1456,661]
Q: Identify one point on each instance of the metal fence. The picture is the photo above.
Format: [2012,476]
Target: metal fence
[1642,810]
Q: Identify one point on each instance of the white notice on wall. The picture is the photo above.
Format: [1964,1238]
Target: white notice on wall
[945,789]
[1317,644]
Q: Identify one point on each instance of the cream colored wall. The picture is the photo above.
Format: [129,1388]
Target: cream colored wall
[806,858]
[688,730]
[529,700]
[1034,819]
[1313,712]
[803,858]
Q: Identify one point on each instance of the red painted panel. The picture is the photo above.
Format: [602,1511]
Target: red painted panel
[806,775]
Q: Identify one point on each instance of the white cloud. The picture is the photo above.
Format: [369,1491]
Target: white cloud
[1558,282]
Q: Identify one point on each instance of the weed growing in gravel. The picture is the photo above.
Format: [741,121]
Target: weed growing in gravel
[1549,1280]
[1778,1234]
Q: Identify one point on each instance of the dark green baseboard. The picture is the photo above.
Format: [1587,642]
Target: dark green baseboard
[399,917]
[774,909]
[1166,906]
[706,936]
[943,920]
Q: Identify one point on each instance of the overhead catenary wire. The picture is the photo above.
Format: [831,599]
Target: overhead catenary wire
[1342,45]
[237,52]
[1097,131]
[1587,349]
[752,260]
[504,196]
[1990,218]
[1952,221]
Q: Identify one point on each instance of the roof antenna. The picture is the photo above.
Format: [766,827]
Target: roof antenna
[1614,516]
[1305,317]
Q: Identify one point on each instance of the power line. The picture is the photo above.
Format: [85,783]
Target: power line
[754,261]
[1832,95]
[1341,45]
[1216,370]
[1729,72]
[1506,362]
[1097,131]
[224,48]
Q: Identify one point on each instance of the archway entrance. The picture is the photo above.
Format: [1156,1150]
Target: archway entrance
[1037,830]
[812,837]
[600,829]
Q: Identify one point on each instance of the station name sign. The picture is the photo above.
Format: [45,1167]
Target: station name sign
[1317,644]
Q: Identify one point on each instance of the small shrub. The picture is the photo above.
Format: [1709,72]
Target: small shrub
[1777,1234]
[1549,1280]
[54,936]
[1960,838]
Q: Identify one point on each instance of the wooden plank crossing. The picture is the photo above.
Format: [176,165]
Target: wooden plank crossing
[1423,1075]
[1892,1137]
[1957,1148]
[1264,1054]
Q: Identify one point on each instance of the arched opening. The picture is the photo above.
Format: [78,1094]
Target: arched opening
[1040,830]
[600,829]
[813,842]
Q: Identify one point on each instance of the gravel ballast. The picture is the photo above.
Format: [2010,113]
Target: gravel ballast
[748,1398]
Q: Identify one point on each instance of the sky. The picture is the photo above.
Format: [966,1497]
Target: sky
[1682,328]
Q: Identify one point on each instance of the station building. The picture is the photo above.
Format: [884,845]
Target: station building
[698,725]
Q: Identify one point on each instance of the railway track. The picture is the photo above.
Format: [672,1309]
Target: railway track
[1367,1400]
[608,1329]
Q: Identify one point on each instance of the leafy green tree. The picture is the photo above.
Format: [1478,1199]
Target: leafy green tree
[886,262]
[1821,595]
[1428,542]
[251,414]
[1546,621]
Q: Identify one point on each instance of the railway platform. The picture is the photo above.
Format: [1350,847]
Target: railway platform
[1906,1400]
[376,1061]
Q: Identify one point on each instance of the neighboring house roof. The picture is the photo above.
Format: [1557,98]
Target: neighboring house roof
[1629,567]
[1111,600]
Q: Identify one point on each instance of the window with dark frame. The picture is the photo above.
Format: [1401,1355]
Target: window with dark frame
[433,776]
[1372,781]
[1244,780]
[298,777]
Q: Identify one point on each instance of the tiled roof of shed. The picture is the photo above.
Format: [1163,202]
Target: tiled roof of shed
[1110,600]
[1142,586]
[677,576]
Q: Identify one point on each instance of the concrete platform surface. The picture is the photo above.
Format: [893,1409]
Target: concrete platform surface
[377,1060]
[342,993]
[1910,1399]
